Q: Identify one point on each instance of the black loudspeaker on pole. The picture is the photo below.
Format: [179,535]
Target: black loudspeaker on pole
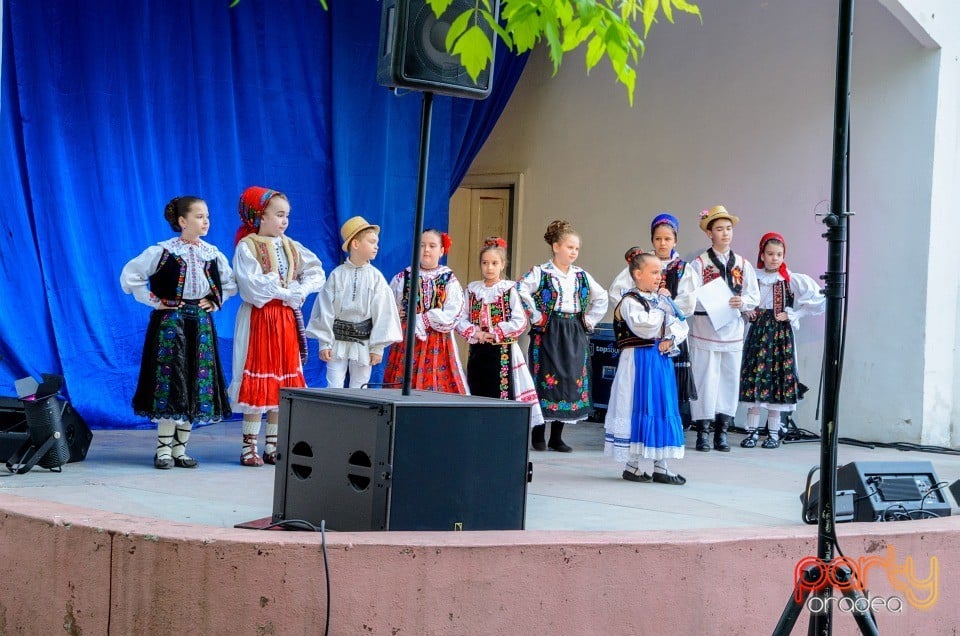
[413,52]
[413,55]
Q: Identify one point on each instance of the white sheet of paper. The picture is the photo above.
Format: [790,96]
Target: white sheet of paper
[715,298]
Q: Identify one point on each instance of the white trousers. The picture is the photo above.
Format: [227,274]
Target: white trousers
[717,375]
[337,373]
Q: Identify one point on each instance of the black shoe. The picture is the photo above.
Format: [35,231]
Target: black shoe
[703,442]
[185,461]
[750,441]
[163,463]
[642,478]
[723,422]
[673,480]
[537,441]
[771,443]
[556,441]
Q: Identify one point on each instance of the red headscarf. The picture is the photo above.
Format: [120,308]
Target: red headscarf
[774,236]
[253,202]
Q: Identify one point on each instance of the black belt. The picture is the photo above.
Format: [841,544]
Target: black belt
[352,331]
[699,313]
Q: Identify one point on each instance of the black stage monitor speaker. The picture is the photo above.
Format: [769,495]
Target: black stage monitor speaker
[379,460]
[955,490]
[14,430]
[604,357]
[413,52]
[891,491]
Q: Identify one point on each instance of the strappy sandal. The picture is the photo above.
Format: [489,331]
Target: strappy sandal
[183,461]
[672,480]
[771,443]
[163,463]
[751,440]
[250,457]
[641,478]
[270,457]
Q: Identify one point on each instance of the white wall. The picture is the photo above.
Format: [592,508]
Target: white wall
[739,111]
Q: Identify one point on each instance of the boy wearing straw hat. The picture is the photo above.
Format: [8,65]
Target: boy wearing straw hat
[355,317]
[715,353]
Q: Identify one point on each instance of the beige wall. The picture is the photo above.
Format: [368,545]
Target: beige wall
[739,111]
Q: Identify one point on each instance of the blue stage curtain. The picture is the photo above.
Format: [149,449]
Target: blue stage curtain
[111,107]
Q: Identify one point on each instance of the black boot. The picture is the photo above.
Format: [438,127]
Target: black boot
[537,440]
[703,442]
[723,422]
[556,443]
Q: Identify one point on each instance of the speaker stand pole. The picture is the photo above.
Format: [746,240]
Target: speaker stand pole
[426,117]
[821,623]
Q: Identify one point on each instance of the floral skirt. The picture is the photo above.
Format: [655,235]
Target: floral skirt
[559,359]
[436,366]
[180,373]
[768,375]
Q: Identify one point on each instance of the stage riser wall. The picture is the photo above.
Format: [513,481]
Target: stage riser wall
[169,578]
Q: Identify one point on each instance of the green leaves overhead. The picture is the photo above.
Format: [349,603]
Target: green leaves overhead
[605,26]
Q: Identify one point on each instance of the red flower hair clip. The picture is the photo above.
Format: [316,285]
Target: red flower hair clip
[446,242]
[495,242]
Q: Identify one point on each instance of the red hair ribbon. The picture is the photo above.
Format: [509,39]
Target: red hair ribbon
[445,242]
[495,242]
[774,236]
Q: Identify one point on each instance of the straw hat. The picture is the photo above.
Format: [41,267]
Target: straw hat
[714,213]
[352,227]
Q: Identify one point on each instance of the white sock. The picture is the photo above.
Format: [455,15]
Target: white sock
[271,437]
[773,424]
[165,429]
[180,437]
[632,468]
[660,466]
[250,428]
[753,420]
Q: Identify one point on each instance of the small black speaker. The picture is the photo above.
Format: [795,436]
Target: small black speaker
[604,358]
[890,491]
[413,51]
[379,460]
[14,430]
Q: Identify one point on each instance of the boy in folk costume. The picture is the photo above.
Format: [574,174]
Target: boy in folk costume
[715,354]
[355,317]
[274,274]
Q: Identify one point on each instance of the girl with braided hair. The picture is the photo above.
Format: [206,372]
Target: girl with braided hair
[492,322]
[275,274]
[564,303]
[184,280]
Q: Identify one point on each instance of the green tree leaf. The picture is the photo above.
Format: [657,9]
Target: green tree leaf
[457,27]
[475,51]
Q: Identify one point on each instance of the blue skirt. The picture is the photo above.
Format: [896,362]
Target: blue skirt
[652,429]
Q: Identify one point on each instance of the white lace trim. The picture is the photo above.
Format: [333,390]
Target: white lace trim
[181,248]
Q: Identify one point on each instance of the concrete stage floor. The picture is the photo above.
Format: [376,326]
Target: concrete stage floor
[582,490]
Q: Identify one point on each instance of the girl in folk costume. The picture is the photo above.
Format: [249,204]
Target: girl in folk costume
[493,320]
[183,280]
[664,230]
[274,274]
[768,378]
[564,303]
[436,364]
[355,317]
[715,354]
[643,421]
